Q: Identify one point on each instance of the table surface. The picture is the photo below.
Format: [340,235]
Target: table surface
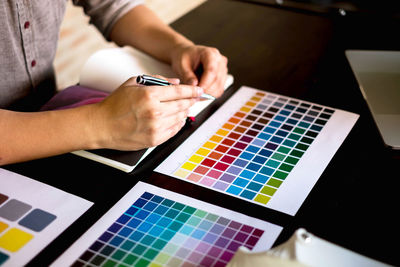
[297,54]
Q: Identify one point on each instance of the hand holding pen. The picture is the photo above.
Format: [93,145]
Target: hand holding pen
[134,117]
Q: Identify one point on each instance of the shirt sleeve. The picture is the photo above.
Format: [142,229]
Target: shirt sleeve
[105,13]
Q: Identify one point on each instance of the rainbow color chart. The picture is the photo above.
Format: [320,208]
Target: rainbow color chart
[151,226]
[32,214]
[262,147]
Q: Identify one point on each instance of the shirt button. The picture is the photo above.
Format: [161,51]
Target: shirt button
[27,24]
[33,63]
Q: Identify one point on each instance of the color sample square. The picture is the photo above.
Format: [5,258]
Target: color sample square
[3,198]
[37,220]
[14,239]
[14,209]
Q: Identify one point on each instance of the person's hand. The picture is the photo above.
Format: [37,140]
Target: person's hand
[186,59]
[135,117]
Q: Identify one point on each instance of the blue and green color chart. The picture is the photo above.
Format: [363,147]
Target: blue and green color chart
[262,147]
[151,226]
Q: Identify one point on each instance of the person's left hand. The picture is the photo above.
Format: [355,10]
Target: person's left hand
[186,60]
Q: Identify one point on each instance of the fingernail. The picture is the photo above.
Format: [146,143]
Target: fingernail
[200,91]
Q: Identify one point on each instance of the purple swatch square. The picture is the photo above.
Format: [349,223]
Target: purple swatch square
[222,242]
[217,229]
[234,170]
[223,221]
[227,178]
[203,247]
[235,225]
[207,261]
[246,139]
[227,256]
[258,232]
[229,233]
[195,257]
[252,241]
[220,186]
[233,246]
[215,252]
[241,237]
[210,238]
[240,145]
[247,229]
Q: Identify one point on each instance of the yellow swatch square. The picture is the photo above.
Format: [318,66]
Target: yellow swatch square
[245,109]
[3,226]
[256,99]
[162,258]
[251,104]
[262,199]
[14,239]
[181,173]
[209,145]
[188,166]
[228,126]
[203,151]
[222,132]
[216,138]
[196,158]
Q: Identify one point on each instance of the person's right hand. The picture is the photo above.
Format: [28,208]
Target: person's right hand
[135,117]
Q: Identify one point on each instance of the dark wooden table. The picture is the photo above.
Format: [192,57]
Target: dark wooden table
[355,202]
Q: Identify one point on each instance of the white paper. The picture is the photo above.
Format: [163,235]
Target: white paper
[269,236]
[295,188]
[66,207]
[107,69]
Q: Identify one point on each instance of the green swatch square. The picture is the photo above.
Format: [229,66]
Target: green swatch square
[139,249]
[306,140]
[151,254]
[200,213]
[212,217]
[273,163]
[171,213]
[302,147]
[283,149]
[159,244]
[178,206]
[183,217]
[175,226]
[109,263]
[194,221]
[299,130]
[268,190]
[294,136]
[167,202]
[118,255]
[286,167]
[130,259]
[280,175]
[142,263]
[296,153]
[274,182]
[291,160]
[189,210]
[278,156]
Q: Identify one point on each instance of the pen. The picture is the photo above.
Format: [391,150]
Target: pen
[150,80]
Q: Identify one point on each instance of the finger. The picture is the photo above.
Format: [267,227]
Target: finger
[211,62]
[170,80]
[175,92]
[173,107]
[187,73]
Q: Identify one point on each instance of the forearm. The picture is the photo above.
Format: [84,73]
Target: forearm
[142,29]
[25,136]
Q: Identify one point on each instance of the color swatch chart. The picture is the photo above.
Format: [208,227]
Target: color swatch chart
[262,147]
[151,226]
[28,222]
